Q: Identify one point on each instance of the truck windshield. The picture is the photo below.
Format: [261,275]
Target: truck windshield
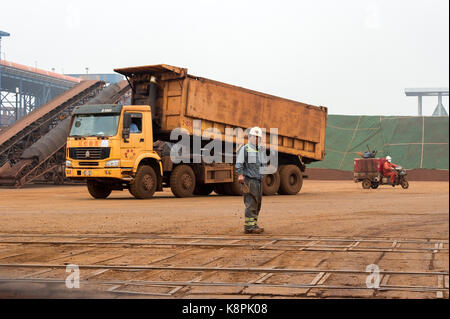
[94,125]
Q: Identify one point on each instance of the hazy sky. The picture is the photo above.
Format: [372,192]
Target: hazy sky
[353,56]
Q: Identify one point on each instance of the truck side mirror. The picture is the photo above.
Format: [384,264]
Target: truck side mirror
[126,125]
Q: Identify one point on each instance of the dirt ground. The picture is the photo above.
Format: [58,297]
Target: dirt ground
[323,208]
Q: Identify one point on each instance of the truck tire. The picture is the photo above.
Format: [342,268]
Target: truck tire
[203,189]
[291,180]
[271,184]
[227,189]
[219,189]
[234,188]
[366,184]
[98,190]
[182,181]
[145,182]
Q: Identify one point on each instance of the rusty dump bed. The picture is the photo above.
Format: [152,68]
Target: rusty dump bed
[181,98]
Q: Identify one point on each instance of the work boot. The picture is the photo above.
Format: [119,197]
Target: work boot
[254,230]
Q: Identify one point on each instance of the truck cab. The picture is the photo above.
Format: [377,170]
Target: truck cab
[111,146]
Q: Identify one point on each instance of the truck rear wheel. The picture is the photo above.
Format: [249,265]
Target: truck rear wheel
[291,180]
[227,189]
[97,189]
[271,184]
[234,188]
[182,181]
[203,189]
[144,184]
[219,188]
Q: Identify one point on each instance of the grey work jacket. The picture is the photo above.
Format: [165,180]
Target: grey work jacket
[250,161]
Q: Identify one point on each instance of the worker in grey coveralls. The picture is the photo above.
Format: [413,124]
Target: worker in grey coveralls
[249,163]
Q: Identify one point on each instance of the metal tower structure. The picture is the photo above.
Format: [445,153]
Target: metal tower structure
[2,35]
[25,88]
[420,92]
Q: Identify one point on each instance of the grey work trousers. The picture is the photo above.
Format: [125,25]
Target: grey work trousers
[252,201]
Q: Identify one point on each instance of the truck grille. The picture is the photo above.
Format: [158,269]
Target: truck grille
[88,163]
[88,153]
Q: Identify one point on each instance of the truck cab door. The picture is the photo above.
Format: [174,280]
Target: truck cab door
[135,144]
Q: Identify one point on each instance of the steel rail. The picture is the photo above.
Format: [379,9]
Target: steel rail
[171,284]
[267,246]
[259,238]
[229,269]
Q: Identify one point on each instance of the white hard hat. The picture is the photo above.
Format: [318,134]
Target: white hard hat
[388,158]
[255,131]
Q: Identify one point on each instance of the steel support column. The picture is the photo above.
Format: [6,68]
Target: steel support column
[419,111]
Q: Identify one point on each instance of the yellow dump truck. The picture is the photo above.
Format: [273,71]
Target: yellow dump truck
[117,147]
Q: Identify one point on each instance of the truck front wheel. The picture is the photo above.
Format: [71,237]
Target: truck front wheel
[291,180]
[182,181]
[97,189]
[145,182]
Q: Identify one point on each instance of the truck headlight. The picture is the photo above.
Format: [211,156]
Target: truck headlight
[68,163]
[112,163]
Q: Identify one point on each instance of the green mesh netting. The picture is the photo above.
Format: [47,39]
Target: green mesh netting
[413,142]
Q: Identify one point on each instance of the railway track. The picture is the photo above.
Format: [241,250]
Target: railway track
[230,265]
[307,243]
